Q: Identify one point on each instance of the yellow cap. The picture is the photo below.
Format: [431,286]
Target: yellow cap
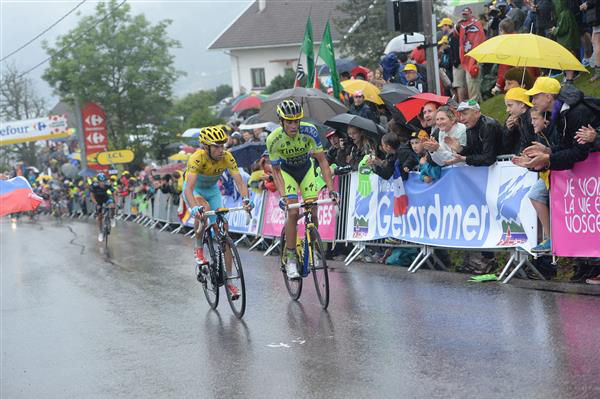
[544,84]
[445,21]
[410,67]
[443,40]
[518,94]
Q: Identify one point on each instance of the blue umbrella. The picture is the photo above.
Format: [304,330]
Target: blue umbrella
[342,65]
[247,153]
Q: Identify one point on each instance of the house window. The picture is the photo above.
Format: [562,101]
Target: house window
[258,78]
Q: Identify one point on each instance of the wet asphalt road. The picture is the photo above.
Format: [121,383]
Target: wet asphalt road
[76,324]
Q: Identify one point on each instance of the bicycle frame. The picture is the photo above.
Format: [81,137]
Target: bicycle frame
[307,205]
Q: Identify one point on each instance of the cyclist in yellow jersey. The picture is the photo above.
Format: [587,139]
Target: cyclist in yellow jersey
[200,190]
[291,148]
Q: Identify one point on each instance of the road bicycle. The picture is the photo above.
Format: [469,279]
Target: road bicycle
[221,250]
[310,254]
[105,223]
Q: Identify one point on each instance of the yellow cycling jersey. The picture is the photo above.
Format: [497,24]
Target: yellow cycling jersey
[209,171]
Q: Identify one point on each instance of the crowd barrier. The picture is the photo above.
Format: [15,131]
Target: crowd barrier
[481,209]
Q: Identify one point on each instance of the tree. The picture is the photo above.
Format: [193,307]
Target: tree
[223,91]
[280,82]
[369,34]
[121,62]
[19,101]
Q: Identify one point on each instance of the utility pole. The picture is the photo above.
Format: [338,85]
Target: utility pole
[80,133]
[430,45]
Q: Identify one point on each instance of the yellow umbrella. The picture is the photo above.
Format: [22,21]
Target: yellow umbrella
[526,50]
[41,177]
[370,91]
[180,156]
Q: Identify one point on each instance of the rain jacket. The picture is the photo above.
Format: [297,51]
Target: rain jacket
[403,154]
[483,142]
[567,29]
[515,140]
[592,15]
[570,113]
[471,35]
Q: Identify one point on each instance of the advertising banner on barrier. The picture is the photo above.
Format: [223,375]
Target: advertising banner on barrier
[469,207]
[575,202]
[237,220]
[274,217]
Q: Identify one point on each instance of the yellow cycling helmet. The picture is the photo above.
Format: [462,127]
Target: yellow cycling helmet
[212,135]
[290,110]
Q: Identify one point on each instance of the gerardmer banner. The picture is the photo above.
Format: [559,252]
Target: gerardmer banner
[469,207]
[575,202]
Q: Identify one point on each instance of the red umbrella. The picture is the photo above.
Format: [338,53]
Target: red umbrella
[411,107]
[362,70]
[250,102]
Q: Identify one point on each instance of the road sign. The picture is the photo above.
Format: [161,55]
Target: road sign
[112,157]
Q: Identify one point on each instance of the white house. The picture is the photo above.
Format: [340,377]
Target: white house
[265,39]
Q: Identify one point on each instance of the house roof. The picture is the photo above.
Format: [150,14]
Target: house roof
[280,23]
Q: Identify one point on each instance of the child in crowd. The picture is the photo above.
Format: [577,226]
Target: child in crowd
[428,169]
[413,78]
[539,193]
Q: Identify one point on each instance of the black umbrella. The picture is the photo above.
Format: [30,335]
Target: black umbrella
[394,93]
[317,105]
[368,127]
[247,153]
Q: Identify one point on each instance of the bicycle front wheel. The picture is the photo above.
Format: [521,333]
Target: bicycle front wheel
[211,281]
[235,287]
[294,287]
[318,267]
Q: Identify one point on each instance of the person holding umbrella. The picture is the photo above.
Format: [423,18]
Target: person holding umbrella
[361,108]
[291,148]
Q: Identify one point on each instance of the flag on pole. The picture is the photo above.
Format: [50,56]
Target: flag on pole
[16,195]
[317,83]
[299,74]
[327,54]
[308,48]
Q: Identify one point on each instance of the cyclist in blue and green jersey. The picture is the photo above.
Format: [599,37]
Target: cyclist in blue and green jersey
[292,147]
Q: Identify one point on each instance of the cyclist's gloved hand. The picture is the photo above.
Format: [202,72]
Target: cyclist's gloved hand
[282,203]
[196,210]
[248,202]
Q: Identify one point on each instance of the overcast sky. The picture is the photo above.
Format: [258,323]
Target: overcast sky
[196,23]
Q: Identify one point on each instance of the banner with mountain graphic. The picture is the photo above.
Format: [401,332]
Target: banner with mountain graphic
[468,207]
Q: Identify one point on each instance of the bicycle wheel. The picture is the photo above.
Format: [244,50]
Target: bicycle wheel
[106,229]
[318,267]
[294,287]
[211,282]
[236,278]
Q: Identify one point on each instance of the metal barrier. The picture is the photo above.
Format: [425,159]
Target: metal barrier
[162,210]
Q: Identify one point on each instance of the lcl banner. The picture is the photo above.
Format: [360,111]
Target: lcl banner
[94,132]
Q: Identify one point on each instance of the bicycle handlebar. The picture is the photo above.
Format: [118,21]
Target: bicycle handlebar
[223,210]
[303,204]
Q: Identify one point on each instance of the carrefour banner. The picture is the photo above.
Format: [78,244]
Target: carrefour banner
[468,207]
[575,201]
[51,127]
[237,220]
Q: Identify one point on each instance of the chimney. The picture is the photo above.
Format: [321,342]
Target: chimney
[262,4]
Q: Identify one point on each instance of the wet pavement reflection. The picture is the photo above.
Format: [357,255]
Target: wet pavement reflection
[133,322]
